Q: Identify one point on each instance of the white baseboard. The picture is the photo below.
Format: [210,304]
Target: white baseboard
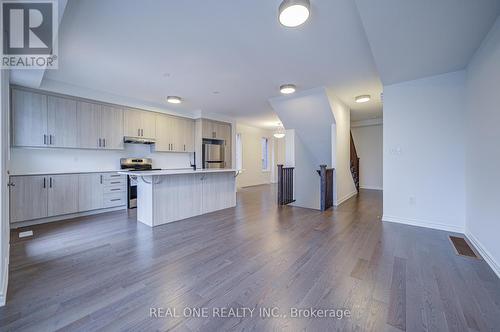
[64,217]
[484,253]
[371,188]
[346,197]
[424,223]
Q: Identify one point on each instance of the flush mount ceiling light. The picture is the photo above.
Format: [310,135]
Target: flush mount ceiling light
[362,99]
[174,100]
[280,133]
[286,89]
[293,13]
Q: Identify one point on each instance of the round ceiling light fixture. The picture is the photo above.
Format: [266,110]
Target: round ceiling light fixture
[362,99]
[280,133]
[287,89]
[174,100]
[293,13]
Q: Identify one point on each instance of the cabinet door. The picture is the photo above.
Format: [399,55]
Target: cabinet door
[208,129]
[112,127]
[132,123]
[62,194]
[148,124]
[28,198]
[62,128]
[188,135]
[162,133]
[177,134]
[89,123]
[226,135]
[90,191]
[29,118]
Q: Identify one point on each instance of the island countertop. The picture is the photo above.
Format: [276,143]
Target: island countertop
[177,171]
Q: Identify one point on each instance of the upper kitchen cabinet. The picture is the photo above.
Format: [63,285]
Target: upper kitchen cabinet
[139,124]
[174,134]
[29,118]
[99,126]
[61,122]
[41,120]
[215,130]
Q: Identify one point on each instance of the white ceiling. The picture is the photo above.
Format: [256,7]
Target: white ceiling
[419,38]
[191,48]
[147,50]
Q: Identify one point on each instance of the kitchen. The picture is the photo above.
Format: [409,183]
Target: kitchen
[67,153]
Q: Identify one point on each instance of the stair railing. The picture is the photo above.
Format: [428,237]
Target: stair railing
[285,185]
[326,187]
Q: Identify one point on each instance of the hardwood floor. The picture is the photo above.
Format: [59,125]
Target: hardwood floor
[106,272]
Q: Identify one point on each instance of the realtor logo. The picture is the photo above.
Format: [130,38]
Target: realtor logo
[28,34]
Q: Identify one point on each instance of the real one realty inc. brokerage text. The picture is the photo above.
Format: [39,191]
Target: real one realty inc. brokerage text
[248,312]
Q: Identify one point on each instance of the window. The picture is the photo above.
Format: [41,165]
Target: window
[239,157]
[265,154]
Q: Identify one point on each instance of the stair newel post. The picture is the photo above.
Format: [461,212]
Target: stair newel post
[322,175]
[280,184]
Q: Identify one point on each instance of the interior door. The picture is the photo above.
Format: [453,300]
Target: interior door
[62,194]
[88,125]
[112,127]
[61,124]
[28,198]
[29,118]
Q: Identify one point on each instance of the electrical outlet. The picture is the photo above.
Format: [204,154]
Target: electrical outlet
[25,234]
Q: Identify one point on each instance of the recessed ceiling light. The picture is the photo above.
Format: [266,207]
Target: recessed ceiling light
[293,13]
[362,99]
[174,99]
[287,89]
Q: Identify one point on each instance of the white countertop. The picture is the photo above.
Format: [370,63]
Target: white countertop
[177,171]
[62,172]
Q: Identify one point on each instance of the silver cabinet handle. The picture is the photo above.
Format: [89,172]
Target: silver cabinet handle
[101,178]
[50,182]
[138,132]
[44,182]
[50,139]
[184,147]
[115,199]
[99,142]
[104,142]
[116,189]
[44,139]
[142,132]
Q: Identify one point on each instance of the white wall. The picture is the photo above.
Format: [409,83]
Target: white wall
[341,149]
[251,159]
[4,191]
[482,151]
[368,142]
[424,154]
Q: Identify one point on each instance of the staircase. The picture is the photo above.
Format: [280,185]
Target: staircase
[354,164]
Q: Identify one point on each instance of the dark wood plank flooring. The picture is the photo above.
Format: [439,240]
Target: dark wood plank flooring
[105,272]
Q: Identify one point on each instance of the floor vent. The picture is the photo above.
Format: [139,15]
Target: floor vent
[462,248]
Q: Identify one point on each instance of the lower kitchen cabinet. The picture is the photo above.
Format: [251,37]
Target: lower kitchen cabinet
[62,195]
[36,197]
[217,191]
[28,198]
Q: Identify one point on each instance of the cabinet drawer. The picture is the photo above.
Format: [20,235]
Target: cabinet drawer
[114,189]
[115,182]
[113,177]
[114,199]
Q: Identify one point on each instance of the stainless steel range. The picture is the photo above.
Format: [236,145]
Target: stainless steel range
[135,164]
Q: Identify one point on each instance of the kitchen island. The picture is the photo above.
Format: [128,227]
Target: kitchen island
[165,196]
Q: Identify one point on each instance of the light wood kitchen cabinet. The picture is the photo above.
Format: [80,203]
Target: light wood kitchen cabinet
[99,126]
[139,124]
[28,198]
[61,122]
[29,118]
[90,192]
[88,130]
[112,127]
[215,130]
[62,194]
[174,134]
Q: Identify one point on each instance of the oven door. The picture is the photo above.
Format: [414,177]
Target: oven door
[132,192]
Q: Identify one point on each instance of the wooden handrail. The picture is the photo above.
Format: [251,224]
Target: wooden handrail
[285,185]
[354,164]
